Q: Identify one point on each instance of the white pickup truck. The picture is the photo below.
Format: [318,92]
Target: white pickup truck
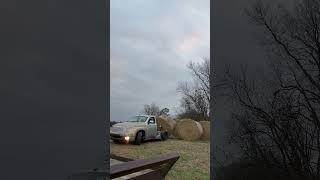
[137,129]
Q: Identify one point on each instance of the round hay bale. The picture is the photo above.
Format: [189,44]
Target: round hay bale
[175,133]
[188,129]
[206,130]
[166,124]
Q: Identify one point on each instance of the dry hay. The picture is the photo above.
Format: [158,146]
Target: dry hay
[206,130]
[175,132]
[166,124]
[188,129]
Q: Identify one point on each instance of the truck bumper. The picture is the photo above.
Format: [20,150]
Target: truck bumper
[121,138]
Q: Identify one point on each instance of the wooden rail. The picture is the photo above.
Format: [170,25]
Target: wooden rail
[159,164]
[155,167]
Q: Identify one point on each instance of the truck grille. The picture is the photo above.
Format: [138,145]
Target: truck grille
[116,129]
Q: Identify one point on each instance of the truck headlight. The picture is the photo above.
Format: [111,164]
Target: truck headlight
[127,138]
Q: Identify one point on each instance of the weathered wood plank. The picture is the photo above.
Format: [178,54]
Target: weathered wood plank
[130,167]
[156,168]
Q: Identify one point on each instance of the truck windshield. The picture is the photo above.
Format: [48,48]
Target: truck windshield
[137,119]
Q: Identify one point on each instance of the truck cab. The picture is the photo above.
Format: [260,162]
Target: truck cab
[137,129]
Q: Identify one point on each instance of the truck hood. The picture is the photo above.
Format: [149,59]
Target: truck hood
[125,125]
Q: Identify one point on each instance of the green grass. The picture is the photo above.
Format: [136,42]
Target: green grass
[194,161]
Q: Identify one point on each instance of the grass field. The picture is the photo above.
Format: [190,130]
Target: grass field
[194,161]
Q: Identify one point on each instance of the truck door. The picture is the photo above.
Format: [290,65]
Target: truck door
[151,128]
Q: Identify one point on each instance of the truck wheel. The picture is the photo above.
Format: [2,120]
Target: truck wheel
[139,139]
[164,136]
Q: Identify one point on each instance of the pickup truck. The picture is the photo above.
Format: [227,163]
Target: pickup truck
[137,130]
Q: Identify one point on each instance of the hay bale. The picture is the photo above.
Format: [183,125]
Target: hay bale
[166,124]
[175,133]
[188,129]
[206,130]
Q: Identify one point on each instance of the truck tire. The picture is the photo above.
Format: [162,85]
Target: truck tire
[164,136]
[139,138]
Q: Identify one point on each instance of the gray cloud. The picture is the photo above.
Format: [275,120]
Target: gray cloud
[151,44]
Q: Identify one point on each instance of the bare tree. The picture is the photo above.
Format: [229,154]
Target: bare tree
[155,110]
[196,94]
[278,120]
[201,74]
[151,109]
[164,112]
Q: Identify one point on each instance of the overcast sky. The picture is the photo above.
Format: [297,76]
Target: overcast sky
[151,42]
